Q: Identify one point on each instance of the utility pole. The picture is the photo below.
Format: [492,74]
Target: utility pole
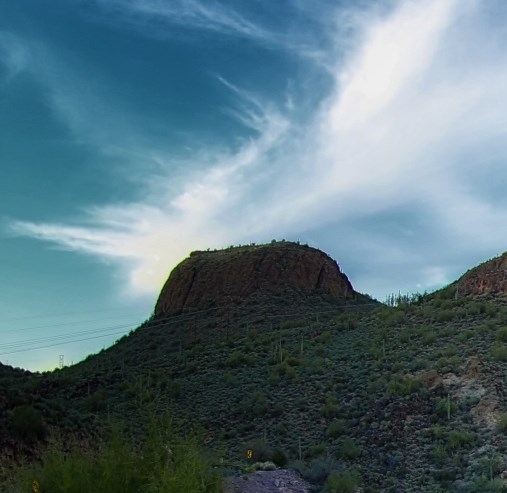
[60,361]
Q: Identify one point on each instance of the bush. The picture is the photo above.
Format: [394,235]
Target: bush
[317,472]
[429,337]
[330,408]
[501,334]
[348,449]
[440,453]
[27,424]
[261,450]
[403,386]
[279,457]
[342,482]
[162,463]
[458,439]
[499,353]
[336,428]
[501,424]
[446,407]
[316,450]
[235,359]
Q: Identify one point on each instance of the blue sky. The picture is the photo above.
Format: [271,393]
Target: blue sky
[136,131]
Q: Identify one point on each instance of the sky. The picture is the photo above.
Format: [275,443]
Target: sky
[133,132]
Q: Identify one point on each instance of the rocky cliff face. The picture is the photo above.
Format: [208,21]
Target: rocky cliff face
[236,274]
[487,278]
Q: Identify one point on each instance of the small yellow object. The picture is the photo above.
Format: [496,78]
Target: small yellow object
[249,453]
[35,486]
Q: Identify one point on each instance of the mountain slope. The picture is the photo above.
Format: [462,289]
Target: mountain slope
[411,398]
[487,278]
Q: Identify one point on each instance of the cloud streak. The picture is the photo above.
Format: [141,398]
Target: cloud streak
[405,128]
[195,14]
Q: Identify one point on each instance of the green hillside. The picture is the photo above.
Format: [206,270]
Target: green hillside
[408,398]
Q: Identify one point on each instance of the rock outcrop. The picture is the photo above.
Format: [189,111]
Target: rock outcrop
[487,278]
[239,273]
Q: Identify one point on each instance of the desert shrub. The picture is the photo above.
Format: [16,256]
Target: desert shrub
[465,335]
[261,450]
[501,424]
[346,321]
[445,407]
[336,428]
[499,353]
[445,315]
[458,439]
[429,337]
[342,482]
[440,452]
[316,450]
[279,457]
[292,361]
[501,334]
[476,308]
[175,389]
[347,449]
[325,337]
[282,370]
[256,404]
[317,472]
[96,401]
[235,359]
[27,423]
[162,463]
[487,486]
[403,386]
[281,429]
[393,318]
[330,408]
[405,336]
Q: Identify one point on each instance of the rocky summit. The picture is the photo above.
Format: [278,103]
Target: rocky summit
[237,274]
[487,278]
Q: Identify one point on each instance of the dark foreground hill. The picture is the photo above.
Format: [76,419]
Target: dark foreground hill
[403,399]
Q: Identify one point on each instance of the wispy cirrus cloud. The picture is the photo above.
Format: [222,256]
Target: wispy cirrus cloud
[195,14]
[13,54]
[405,130]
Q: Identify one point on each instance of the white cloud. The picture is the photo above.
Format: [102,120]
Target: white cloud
[411,116]
[209,15]
[13,55]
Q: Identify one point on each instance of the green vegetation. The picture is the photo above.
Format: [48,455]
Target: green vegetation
[383,397]
[27,423]
[161,463]
[499,352]
[342,482]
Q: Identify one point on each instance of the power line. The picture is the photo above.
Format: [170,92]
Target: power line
[75,322]
[160,322]
[56,337]
[60,314]
[62,343]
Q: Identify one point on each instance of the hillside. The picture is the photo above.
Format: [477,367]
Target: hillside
[409,398]
[487,278]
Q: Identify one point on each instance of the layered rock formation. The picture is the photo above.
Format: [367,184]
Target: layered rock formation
[487,278]
[239,273]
